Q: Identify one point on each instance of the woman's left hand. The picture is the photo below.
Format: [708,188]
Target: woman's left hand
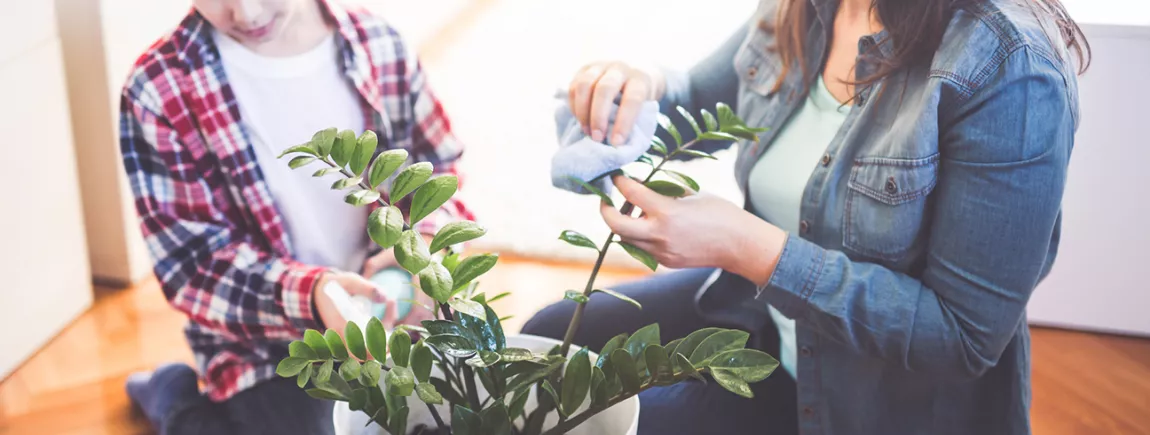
[698,230]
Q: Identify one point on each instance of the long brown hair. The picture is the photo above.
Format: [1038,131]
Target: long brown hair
[915,29]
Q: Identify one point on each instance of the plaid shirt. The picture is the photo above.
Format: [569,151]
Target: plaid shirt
[219,245]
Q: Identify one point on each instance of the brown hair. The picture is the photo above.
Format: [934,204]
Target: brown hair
[915,29]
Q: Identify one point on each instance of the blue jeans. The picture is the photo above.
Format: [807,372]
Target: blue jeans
[690,407]
[276,407]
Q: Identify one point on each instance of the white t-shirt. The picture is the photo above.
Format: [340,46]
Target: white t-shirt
[283,101]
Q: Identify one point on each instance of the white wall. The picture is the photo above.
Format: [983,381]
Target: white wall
[43,258]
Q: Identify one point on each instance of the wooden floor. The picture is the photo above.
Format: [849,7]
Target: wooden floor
[1083,383]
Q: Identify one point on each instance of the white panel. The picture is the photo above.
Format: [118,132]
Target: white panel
[43,257]
[23,25]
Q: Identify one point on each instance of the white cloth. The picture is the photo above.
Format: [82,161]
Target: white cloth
[581,157]
[283,101]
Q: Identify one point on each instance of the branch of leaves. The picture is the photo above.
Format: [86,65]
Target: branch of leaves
[577,239]
[728,127]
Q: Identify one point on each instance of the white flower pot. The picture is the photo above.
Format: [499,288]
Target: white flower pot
[621,419]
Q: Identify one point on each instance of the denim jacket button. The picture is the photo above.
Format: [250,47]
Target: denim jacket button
[804,227]
[805,351]
[826,159]
[891,186]
[752,72]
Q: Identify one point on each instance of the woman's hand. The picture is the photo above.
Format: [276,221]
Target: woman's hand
[355,285]
[698,230]
[386,259]
[592,94]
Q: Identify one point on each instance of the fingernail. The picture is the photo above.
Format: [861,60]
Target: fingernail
[597,136]
[617,139]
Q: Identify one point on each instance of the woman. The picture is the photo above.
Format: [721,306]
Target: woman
[241,241]
[898,216]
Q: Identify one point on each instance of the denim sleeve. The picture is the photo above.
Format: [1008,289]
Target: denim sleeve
[1004,156]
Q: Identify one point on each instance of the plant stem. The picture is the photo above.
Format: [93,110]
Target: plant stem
[573,422]
[468,375]
[438,420]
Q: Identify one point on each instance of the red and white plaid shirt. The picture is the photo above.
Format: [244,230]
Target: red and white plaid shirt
[219,245]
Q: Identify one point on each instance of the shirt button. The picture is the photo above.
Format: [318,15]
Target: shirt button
[891,186]
[826,159]
[805,351]
[752,72]
[804,227]
[808,411]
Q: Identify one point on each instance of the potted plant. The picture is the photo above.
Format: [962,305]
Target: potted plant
[465,375]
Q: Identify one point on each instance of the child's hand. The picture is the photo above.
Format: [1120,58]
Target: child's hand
[592,94]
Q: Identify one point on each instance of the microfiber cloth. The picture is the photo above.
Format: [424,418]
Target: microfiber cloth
[582,157]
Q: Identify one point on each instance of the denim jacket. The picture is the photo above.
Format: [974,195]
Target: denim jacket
[925,227]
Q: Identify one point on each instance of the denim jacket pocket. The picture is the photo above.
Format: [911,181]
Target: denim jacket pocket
[887,205]
[757,73]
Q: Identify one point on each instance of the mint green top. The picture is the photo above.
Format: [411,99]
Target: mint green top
[779,178]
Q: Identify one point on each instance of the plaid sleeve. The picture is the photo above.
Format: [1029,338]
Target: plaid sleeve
[209,268]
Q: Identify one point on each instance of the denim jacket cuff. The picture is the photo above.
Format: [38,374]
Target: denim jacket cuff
[796,276]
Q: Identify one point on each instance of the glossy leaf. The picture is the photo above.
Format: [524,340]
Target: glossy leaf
[697,153]
[645,336]
[576,381]
[465,422]
[384,165]
[325,171]
[598,389]
[672,345]
[304,376]
[358,400]
[550,389]
[518,402]
[317,343]
[304,148]
[364,150]
[658,145]
[322,394]
[495,420]
[709,119]
[451,261]
[619,296]
[323,375]
[471,268]
[626,370]
[683,178]
[646,160]
[432,195]
[376,339]
[409,179]
[748,364]
[682,365]
[468,307]
[719,136]
[690,120]
[397,420]
[300,349]
[615,342]
[575,295]
[658,364]
[411,252]
[343,147]
[350,370]
[360,198]
[455,233]
[435,281]
[498,297]
[718,343]
[322,141]
[400,381]
[484,359]
[666,188]
[514,354]
[495,326]
[639,254]
[440,327]
[453,345]
[400,344]
[428,394]
[385,226]
[602,196]
[535,374]
[689,343]
[751,134]
[727,117]
[577,239]
[447,391]
[666,123]
[291,366]
[345,183]
[421,359]
[354,337]
[732,383]
[300,161]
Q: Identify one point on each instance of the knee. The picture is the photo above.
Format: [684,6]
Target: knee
[550,322]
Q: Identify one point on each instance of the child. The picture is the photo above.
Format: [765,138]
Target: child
[240,241]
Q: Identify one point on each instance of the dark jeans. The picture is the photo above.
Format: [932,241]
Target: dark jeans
[276,407]
[690,407]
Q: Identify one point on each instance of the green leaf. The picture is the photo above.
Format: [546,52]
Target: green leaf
[515,354]
[666,188]
[376,339]
[428,394]
[683,178]
[718,135]
[576,381]
[575,295]
[335,343]
[385,226]
[658,365]
[400,381]
[304,376]
[638,342]
[300,161]
[550,389]
[317,343]
[495,420]
[748,364]
[598,392]
[411,252]
[409,179]
[727,117]
[440,327]
[364,150]
[751,134]
[447,391]
[304,148]
[697,153]
[690,120]
[455,233]
[709,119]
[602,196]
[343,148]
[619,296]
[718,343]
[360,198]
[435,281]
[643,256]
[376,397]
[484,359]
[291,366]
[397,421]
[672,345]
[322,141]
[323,394]
[451,261]
[325,171]
[645,159]
[432,195]
[385,165]
[682,365]
[465,422]
[453,345]
[470,308]
[323,376]
[344,183]
[615,342]
[625,368]
[732,383]
[658,145]
[400,344]
[518,402]
[494,325]
[689,343]
[350,370]
[498,297]
[300,349]
[577,239]
[354,337]
[358,400]
[535,374]
[666,123]
[421,359]
[471,268]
